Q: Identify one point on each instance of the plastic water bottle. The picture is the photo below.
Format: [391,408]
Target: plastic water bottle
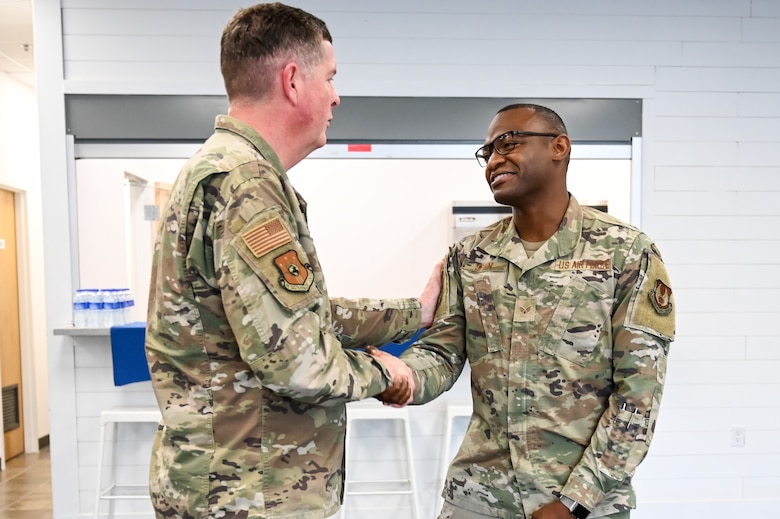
[110,308]
[119,312]
[95,312]
[121,302]
[80,308]
[130,306]
[127,303]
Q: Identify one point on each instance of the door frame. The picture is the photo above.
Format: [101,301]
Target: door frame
[29,372]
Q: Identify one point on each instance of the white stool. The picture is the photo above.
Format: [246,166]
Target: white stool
[369,410]
[112,492]
[454,410]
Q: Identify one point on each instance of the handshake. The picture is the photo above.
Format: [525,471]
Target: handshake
[401,390]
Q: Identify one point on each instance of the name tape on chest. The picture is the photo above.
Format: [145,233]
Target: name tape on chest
[583,264]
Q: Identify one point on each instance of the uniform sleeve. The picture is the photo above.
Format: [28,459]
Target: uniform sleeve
[439,355]
[274,306]
[643,326]
[362,322]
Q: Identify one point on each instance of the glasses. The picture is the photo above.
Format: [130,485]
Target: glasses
[505,143]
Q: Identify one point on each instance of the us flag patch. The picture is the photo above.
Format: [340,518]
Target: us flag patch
[266,237]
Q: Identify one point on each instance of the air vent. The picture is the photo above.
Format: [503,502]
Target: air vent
[11,408]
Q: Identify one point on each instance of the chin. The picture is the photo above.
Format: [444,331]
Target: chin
[323,140]
[502,198]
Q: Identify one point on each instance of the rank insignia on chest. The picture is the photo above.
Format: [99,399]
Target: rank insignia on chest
[525,311]
[296,276]
[661,297]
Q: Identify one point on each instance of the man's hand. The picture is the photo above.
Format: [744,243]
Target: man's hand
[554,510]
[430,295]
[401,390]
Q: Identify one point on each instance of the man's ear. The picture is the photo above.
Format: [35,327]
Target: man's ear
[561,147]
[289,76]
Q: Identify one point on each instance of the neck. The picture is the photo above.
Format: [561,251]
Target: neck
[268,119]
[540,221]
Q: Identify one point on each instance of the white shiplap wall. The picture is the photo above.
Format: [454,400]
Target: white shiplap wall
[709,75]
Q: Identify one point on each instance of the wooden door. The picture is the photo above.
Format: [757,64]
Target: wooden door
[10,350]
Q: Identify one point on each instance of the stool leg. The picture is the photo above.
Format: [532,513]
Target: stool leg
[112,483]
[410,468]
[99,484]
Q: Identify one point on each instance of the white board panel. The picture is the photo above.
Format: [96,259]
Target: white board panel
[379,224]
[393,216]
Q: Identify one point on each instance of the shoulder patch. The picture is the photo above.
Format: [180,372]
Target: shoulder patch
[652,307]
[266,236]
[296,276]
[269,247]
[661,298]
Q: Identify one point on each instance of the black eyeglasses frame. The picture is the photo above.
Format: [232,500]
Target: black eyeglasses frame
[483,157]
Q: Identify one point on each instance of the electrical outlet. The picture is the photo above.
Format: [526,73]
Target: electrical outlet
[738,435]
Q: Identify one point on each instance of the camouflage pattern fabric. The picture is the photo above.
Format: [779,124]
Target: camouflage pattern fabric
[567,351]
[245,347]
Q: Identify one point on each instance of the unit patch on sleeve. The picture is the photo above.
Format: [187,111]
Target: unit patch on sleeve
[296,276]
[652,307]
[268,247]
[661,297]
[266,237]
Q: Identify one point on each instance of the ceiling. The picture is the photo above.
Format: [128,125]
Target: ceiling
[16,40]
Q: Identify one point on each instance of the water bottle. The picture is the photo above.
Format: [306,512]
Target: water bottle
[110,304]
[95,312]
[121,302]
[80,308]
[127,305]
[119,316]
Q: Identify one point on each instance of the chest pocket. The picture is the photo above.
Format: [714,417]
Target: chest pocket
[486,307]
[577,323]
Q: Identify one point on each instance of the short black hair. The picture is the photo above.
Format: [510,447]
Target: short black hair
[548,114]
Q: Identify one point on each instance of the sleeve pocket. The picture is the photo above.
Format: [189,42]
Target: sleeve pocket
[627,443]
[280,261]
[487,314]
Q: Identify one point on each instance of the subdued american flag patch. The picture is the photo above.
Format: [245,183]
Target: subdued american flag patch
[266,237]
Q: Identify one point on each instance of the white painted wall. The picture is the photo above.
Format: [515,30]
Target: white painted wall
[20,172]
[709,77]
[115,241]
[379,224]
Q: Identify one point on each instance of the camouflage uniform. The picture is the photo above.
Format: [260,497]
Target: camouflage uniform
[568,353]
[245,346]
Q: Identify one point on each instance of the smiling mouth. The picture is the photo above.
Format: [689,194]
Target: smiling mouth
[497,177]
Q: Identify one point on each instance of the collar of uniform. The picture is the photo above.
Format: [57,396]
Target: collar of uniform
[245,131]
[505,242]
[563,242]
